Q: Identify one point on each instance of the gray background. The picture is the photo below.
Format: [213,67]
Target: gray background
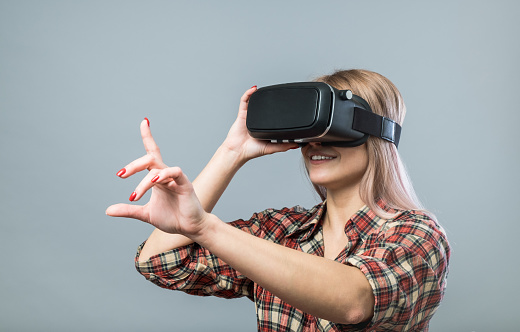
[77,77]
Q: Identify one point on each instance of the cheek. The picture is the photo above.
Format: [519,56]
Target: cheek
[360,163]
[360,160]
[358,168]
[353,165]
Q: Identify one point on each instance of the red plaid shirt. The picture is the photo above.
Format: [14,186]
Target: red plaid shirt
[405,259]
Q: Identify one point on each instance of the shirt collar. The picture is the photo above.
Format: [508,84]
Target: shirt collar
[309,223]
[365,221]
[362,223]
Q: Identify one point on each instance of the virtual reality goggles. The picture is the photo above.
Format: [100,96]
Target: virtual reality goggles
[315,112]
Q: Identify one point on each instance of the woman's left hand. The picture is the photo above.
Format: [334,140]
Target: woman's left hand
[247,147]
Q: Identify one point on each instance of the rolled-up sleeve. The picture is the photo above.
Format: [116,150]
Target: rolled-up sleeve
[194,270]
[407,267]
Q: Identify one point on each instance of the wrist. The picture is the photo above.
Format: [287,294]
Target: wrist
[232,157]
[207,230]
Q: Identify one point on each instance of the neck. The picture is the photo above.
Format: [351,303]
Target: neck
[341,205]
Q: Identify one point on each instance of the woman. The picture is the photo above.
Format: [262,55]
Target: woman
[367,258]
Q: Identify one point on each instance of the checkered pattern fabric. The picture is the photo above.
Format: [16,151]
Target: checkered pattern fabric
[405,260]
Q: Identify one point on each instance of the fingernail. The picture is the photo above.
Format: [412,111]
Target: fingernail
[132,197]
[155,178]
[121,172]
[147,121]
[253,87]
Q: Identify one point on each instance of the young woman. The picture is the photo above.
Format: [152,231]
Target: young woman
[368,257]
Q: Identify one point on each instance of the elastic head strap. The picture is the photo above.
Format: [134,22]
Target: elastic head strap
[367,122]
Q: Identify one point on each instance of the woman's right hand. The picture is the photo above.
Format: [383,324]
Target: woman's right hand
[239,141]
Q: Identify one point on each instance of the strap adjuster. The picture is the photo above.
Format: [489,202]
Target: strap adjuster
[388,129]
[376,125]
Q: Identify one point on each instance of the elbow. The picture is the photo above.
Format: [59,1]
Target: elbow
[357,316]
[362,310]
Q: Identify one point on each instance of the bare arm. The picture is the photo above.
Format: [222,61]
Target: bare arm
[316,285]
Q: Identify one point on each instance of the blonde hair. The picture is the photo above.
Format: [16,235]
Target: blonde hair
[386,178]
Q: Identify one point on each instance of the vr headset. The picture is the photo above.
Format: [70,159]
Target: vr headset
[315,112]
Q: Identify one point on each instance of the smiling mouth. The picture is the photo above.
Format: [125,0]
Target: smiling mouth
[321,158]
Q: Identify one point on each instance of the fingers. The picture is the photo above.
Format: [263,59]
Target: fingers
[145,185]
[244,100]
[280,147]
[172,174]
[149,143]
[127,211]
[137,165]
[172,177]
[151,160]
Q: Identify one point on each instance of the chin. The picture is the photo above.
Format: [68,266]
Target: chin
[320,178]
[330,183]
[323,181]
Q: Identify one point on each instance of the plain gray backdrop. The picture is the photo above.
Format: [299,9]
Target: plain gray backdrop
[77,77]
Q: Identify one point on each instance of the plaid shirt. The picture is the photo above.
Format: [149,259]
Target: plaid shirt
[405,260]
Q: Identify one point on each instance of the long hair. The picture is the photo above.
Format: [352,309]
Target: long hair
[386,178]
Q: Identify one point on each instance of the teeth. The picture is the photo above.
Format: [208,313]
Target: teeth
[320,157]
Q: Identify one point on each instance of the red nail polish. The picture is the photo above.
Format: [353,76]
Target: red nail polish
[254,86]
[155,178]
[147,121]
[121,172]
[132,197]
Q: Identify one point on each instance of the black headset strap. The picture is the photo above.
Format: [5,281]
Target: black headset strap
[376,125]
[369,123]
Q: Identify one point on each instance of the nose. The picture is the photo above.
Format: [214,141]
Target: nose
[314,144]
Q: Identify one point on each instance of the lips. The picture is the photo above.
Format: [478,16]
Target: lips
[317,156]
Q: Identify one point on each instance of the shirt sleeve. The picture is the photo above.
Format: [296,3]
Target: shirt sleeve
[406,266]
[196,271]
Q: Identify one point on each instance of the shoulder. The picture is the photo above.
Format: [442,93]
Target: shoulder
[405,257]
[417,223]
[418,232]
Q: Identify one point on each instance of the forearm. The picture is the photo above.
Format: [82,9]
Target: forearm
[316,285]
[216,176]
[209,187]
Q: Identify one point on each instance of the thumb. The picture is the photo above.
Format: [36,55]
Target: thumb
[127,211]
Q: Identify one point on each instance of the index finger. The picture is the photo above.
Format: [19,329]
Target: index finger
[245,98]
[149,143]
